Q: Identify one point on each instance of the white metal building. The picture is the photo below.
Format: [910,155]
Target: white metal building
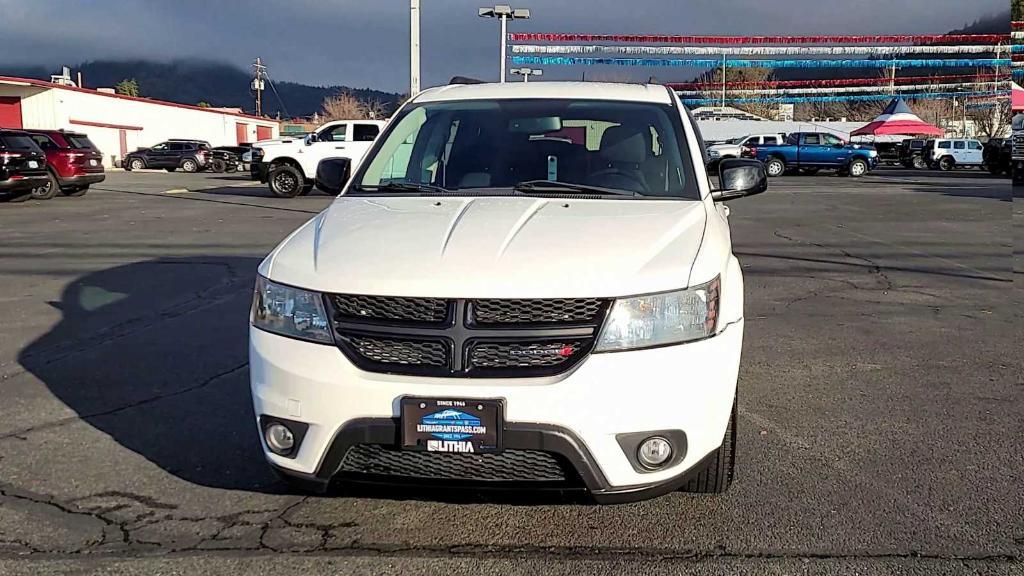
[119,124]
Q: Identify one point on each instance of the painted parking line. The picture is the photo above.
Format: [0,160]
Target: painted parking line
[177,191]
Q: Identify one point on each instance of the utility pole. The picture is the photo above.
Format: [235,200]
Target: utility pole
[504,13]
[723,82]
[259,73]
[414,48]
[892,79]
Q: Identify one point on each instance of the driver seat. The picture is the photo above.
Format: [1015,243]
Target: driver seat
[623,153]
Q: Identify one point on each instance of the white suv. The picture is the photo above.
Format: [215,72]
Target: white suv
[527,284]
[946,154]
[288,165]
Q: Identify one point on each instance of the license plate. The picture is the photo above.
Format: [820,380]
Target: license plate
[33,164]
[92,162]
[451,425]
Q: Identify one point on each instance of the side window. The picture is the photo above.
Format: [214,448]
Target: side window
[975,145]
[365,132]
[177,147]
[959,145]
[812,140]
[771,139]
[831,139]
[44,142]
[945,145]
[333,134]
[160,147]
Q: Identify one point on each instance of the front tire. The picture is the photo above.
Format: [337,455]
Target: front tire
[857,168]
[919,163]
[49,190]
[285,181]
[717,474]
[189,165]
[775,167]
[218,166]
[136,164]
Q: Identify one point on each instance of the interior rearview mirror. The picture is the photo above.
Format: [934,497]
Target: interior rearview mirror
[332,174]
[739,177]
[542,125]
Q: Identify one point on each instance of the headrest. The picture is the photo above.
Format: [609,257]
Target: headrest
[624,144]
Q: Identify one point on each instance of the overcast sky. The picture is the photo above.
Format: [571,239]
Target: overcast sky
[365,42]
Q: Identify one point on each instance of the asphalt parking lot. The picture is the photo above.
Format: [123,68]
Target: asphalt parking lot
[881,399]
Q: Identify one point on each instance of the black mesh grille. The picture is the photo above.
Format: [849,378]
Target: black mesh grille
[486,338]
[401,352]
[521,355]
[508,466]
[544,311]
[427,310]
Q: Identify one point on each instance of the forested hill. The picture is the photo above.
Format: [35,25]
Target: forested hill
[191,82]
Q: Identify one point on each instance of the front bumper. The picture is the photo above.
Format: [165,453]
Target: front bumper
[258,171]
[578,415]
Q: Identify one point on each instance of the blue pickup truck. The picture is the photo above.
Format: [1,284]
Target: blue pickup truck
[809,152]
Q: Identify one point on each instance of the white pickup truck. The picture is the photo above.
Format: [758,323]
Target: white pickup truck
[734,148]
[288,165]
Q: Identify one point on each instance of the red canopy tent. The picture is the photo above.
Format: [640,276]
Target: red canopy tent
[1017,97]
[897,119]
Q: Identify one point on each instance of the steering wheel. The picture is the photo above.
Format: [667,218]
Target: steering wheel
[617,178]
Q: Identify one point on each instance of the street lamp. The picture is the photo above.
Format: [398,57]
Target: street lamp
[504,13]
[527,72]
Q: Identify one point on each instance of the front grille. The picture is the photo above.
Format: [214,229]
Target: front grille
[507,466]
[487,338]
[393,351]
[555,310]
[517,355]
[383,308]
[1018,145]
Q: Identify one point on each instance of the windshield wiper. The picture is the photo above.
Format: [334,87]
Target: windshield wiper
[556,186]
[403,187]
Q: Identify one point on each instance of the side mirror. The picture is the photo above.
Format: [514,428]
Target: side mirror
[739,177]
[332,174]
[310,138]
[840,144]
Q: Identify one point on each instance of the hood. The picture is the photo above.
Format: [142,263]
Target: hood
[277,141]
[497,247]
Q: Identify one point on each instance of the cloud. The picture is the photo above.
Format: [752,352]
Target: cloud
[365,42]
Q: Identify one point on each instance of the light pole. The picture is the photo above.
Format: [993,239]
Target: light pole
[504,13]
[527,72]
[414,48]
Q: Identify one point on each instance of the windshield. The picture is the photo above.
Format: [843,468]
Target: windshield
[736,140]
[478,145]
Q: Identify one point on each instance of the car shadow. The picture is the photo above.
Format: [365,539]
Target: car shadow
[154,355]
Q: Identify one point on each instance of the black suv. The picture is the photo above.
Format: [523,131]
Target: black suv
[911,153]
[22,166]
[228,158]
[189,155]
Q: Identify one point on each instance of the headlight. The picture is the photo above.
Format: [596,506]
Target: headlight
[290,312]
[873,153]
[714,153]
[661,319]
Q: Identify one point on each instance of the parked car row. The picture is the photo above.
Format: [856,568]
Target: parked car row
[39,163]
[188,155]
[810,152]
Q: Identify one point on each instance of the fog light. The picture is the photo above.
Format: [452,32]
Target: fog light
[279,438]
[654,452]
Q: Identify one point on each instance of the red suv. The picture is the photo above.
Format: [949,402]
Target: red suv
[72,162]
